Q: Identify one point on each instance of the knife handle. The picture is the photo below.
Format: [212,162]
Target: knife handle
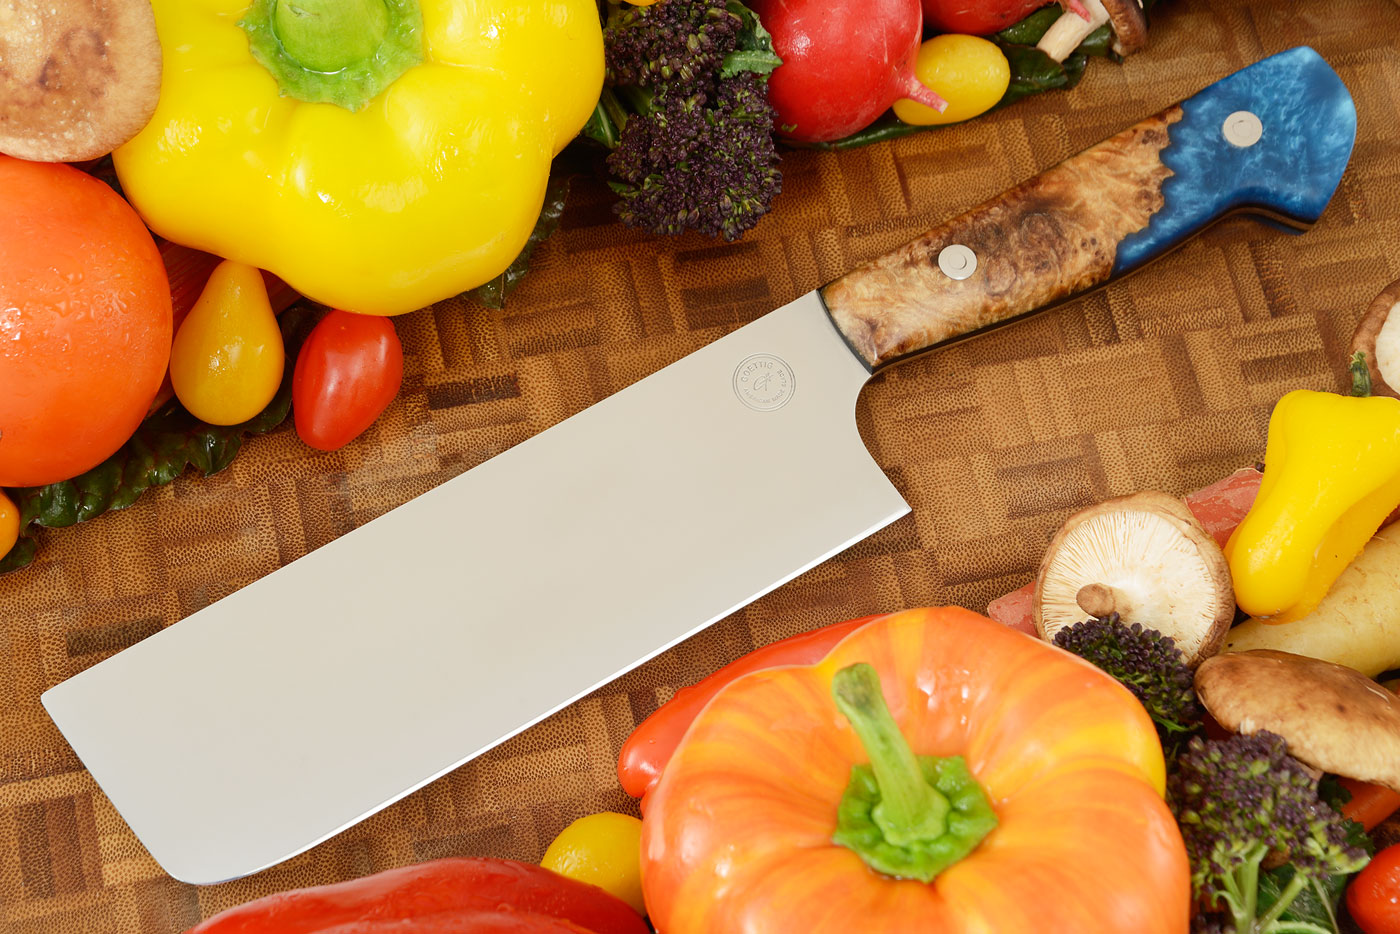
[1272,139]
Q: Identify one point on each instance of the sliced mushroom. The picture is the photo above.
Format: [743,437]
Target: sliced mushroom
[1332,718]
[1146,558]
[77,77]
[1378,338]
[1066,33]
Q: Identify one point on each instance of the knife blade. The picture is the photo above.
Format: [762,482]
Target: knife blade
[318,695]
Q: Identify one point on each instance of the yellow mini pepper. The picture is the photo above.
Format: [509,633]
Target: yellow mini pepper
[1331,476]
[378,155]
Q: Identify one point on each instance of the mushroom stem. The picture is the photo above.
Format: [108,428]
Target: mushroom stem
[1065,34]
[1099,600]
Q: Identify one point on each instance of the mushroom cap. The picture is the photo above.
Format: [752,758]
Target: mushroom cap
[1378,337]
[1146,558]
[1331,717]
[77,77]
[1129,25]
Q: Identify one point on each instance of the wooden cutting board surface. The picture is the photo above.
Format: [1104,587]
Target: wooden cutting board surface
[1163,381]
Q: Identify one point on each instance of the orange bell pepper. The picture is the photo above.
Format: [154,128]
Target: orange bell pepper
[739,832]
[648,749]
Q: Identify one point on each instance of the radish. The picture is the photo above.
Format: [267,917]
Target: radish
[978,17]
[844,63]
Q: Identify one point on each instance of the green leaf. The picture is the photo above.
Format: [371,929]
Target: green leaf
[605,125]
[168,442]
[1029,30]
[493,294]
[1319,903]
[754,51]
[752,36]
[1315,904]
[740,61]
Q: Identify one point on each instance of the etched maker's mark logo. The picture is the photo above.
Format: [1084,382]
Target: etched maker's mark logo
[764,382]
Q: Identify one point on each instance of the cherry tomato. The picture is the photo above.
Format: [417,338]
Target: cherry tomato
[84,322]
[1373,898]
[347,373]
[603,850]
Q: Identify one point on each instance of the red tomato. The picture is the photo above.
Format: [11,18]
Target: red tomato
[1373,898]
[347,373]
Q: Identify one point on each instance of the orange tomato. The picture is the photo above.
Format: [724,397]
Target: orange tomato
[84,322]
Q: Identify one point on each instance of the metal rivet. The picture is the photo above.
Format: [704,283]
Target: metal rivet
[1242,129]
[957,261]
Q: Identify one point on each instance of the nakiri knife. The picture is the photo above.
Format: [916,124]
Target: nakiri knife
[321,693]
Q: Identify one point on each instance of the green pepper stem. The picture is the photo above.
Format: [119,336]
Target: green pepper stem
[342,52]
[1360,374]
[330,35]
[910,809]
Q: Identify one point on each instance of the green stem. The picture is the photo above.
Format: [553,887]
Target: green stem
[342,52]
[1360,375]
[910,809]
[1285,898]
[330,35]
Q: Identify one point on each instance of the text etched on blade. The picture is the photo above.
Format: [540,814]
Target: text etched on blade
[764,382]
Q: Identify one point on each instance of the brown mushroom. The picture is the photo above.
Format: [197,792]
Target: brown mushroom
[1332,718]
[1125,16]
[77,77]
[1146,558]
[1377,337]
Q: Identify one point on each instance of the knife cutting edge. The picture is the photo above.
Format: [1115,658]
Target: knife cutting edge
[323,692]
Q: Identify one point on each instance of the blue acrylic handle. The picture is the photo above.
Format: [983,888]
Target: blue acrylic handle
[1309,127]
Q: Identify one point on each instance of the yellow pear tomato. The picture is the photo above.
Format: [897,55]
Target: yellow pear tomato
[969,72]
[226,364]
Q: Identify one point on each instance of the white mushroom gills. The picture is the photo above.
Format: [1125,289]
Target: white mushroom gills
[1140,564]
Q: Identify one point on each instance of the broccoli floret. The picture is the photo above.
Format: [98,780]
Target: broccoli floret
[686,114]
[703,160]
[1240,799]
[1148,663]
[682,40]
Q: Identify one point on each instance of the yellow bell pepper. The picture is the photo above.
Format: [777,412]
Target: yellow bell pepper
[378,155]
[1331,476]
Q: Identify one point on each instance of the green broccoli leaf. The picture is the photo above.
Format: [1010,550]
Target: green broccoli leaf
[167,443]
[493,293]
[1316,904]
[755,46]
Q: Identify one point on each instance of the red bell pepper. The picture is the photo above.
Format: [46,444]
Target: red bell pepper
[651,744]
[444,896]
[464,922]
